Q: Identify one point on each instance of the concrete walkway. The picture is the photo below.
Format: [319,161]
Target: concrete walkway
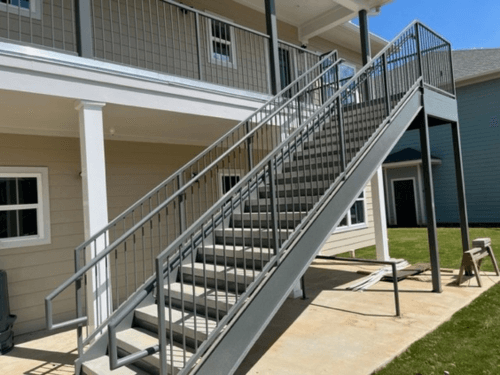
[334,331]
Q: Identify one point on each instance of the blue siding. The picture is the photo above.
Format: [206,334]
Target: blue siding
[479,113]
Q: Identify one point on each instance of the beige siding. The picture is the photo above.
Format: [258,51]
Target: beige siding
[132,170]
[354,239]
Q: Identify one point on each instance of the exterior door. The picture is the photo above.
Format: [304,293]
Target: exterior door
[404,200]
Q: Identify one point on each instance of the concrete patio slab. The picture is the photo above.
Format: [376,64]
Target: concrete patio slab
[333,331]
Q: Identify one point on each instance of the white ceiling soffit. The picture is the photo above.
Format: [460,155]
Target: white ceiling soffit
[320,17]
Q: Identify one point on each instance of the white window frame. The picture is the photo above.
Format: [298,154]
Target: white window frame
[213,56]
[43,207]
[353,66]
[35,10]
[228,173]
[349,225]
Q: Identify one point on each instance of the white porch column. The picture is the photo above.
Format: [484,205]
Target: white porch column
[379,216]
[95,206]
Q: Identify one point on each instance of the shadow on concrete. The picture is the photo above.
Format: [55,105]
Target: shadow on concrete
[54,362]
[317,280]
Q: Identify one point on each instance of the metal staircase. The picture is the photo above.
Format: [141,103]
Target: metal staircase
[209,270]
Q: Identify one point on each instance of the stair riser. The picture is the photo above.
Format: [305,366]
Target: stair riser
[282,207]
[177,336]
[282,192]
[229,285]
[307,178]
[256,241]
[325,165]
[249,264]
[255,223]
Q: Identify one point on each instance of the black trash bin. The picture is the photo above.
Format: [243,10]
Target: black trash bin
[6,320]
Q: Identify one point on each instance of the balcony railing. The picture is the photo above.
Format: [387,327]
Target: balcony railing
[158,35]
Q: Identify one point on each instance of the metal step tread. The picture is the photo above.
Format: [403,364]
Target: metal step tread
[211,297]
[238,251]
[254,233]
[100,366]
[136,339]
[219,272]
[195,326]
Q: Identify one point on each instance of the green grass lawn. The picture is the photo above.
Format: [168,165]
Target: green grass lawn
[412,244]
[469,343]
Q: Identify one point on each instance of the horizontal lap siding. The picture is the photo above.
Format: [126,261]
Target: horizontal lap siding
[132,170]
[342,242]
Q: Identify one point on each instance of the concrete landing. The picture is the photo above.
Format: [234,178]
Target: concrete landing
[334,331]
[354,333]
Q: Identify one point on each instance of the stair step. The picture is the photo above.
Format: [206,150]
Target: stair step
[308,176]
[218,272]
[214,299]
[239,252]
[296,189]
[304,203]
[258,220]
[312,163]
[195,327]
[248,236]
[136,339]
[100,366]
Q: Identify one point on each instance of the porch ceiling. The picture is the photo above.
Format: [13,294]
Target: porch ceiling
[325,18]
[33,114]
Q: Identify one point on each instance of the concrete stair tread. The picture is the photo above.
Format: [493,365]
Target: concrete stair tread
[214,298]
[248,232]
[100,366]
[194,324]
[136,339]
[239,251]
[211,270]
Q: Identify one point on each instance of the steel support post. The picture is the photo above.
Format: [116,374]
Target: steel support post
[272,31]
[84,40]
[459,175]
[429,203]
[366,53]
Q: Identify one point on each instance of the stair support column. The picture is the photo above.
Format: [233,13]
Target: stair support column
[429,203]
[379,215]
[272,32]
[95,208]
[462,201]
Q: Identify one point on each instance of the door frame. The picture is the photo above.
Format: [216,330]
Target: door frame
[393,192]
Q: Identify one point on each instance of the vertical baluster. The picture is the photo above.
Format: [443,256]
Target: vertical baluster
[160,295]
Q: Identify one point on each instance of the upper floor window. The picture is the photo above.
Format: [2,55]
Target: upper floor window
[26,8]
[355,217]
[24,207]
[222,48]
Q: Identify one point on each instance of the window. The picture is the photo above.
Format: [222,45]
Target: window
[355,217]
[221,43]
[26,8]
[24,207]
[228,178]
[346,72]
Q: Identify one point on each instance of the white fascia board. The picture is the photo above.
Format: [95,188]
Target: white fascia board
[409,163]
[33,70]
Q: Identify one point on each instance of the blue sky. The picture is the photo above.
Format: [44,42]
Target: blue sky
[466,24]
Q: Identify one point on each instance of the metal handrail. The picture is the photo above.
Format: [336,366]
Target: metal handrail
[274,104]
[269,164]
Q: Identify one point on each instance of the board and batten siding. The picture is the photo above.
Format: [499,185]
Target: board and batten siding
[343,241]
[33,272]
[479,116]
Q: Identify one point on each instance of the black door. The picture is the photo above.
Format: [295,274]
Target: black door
[404,198]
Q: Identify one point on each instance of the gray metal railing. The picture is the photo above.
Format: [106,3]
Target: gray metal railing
[341,130]
[158,35]
[45,23]
[126,248]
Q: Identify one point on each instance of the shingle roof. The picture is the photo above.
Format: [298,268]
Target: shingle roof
[471,62]
[406,154]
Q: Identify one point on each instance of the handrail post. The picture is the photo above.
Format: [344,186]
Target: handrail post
[198,44]
[341,137]
[273,204]
[182,204]
[386,85]
[162,329]
[78,295]
[249,147]
[419,51]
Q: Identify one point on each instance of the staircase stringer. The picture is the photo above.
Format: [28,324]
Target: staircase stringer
[245,329]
